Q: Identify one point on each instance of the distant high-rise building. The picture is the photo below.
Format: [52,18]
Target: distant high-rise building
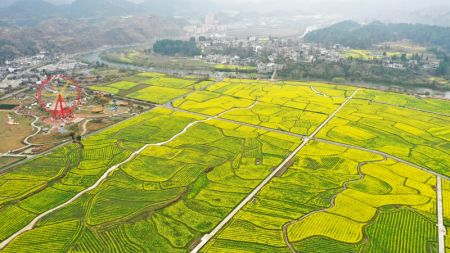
[210,19]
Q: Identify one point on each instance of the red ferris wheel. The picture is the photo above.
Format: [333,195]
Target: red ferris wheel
[59,95]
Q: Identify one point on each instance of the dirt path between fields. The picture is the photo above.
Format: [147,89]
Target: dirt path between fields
[84,127]
[318,92]
[206,238]
[105,175]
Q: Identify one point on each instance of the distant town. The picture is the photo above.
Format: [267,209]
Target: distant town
[24,72]
[259,54]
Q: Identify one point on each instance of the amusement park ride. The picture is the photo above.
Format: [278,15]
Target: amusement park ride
[54,92]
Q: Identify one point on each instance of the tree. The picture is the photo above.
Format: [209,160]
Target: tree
[176,47]
[354,35]
[403,58]
[72,135]
[442,69]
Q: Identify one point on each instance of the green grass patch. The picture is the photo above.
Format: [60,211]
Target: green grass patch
[105,89]
[123,85]
[234,68]
[159,95]
[401,230]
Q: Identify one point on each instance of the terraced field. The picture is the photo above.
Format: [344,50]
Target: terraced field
[158,95]
[175,178]
[179,190]
[153,87]
[333,197]
[401,230]
[432,105]
[418,137]
[315,97]
[115,88]
[288,106]
[53,179]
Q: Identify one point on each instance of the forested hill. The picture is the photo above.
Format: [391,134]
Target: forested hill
[352,34]
[71,36]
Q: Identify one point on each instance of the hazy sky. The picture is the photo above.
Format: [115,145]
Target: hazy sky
[387,3]
[360,9]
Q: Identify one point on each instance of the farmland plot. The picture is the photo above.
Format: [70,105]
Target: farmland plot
[50,180]
[173,193]
[328,199]
[418,137]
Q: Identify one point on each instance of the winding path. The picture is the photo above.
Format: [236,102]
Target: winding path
[105,175]
[318,92]
[206,238]
[7,168]
[84,127]
[26,141]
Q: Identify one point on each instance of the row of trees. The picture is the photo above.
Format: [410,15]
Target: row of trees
[352,34]
[176,47]
[357,72]
[443,69]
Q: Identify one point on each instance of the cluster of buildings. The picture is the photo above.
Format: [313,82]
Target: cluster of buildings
[10,68]
[25,72]
[64,65]
[268,53]
[210,25]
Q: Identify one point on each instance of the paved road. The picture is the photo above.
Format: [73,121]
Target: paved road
[38,129]
[14,93]
[14,155]
[206,238]
[440,216]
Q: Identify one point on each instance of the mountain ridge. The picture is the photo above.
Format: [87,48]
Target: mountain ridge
[355,35]
[71,36]
[42,9]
